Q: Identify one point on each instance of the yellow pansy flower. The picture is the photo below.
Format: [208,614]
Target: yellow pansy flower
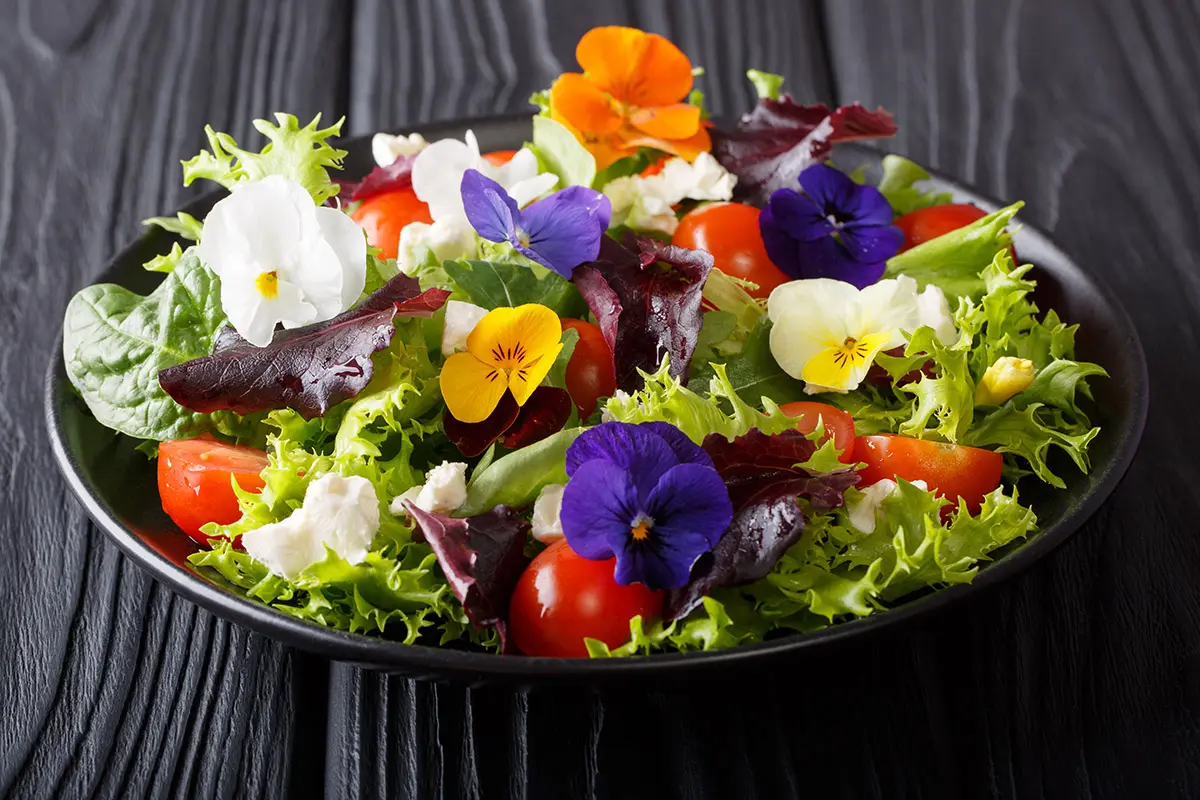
[828,332]
[510,349]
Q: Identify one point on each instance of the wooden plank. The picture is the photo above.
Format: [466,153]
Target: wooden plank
[113,686]
[424,60]
[1076,681]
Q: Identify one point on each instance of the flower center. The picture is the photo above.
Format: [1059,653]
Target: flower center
[510,356]
[640,530]
[851,351]
[267,284]
[522,238]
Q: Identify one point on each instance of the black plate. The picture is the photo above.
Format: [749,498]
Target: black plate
[117,485]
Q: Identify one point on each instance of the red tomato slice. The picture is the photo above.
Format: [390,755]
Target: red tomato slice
[838,424]
[730,232]
[951,470]
[562,597]
[590,373]
[194,481]
[385,215]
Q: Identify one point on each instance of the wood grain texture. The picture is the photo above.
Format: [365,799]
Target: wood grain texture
[113,687]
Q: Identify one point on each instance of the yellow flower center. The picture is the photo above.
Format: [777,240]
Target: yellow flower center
[852,351]
[267,284]
[641,528]
[843,364]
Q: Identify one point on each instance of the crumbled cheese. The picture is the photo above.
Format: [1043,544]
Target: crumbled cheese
[646,203]
[547,510]
[461,319]
[447,239]
[444,490]
[341,513]
[387,148]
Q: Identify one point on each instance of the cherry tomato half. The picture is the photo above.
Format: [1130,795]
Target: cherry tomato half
[385,215]
[951,470]
[730,232]
[590,373]
[194,481]
[562,597]
[838,424]
[500,157]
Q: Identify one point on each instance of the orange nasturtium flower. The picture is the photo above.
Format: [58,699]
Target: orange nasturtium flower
[630,95]
[510,349]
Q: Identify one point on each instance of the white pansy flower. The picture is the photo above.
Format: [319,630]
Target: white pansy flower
[448,239]
[863,508]
[387,148]
[828,332]
[444,490]
[646,203]
[461,319]
[438,170]
[281,258]
[341,513]
[933,310]
[547,514]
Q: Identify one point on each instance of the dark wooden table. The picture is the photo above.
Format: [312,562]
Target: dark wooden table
[1080,679]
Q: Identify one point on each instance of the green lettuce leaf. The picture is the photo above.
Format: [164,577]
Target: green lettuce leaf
[767,84]
[1029,433]
[947,398]
[898,185]
[303,155]
[182,224]
[561,154]
[753,372]
[492,284]
[954,260]
[115,342]
[516,478]
[723,411]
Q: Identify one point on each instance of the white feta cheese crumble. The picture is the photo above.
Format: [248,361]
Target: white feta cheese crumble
[387,148]
[461,319]
[444,490]
[646,203]
[547,510]
[341,513]
[864,509]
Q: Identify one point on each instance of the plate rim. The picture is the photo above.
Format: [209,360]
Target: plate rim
[443,663]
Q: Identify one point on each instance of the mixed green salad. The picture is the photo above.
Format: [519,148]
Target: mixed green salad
[640,385]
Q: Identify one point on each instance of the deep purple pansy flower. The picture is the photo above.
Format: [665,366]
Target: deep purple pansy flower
[836,229]
[646,494]
[559,231]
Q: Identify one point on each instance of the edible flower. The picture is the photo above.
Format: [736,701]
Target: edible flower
[1003,379]
[630,95]
[438,170]
[835,229]
[559,232]
[646,202]
[510,349]
[281,258]
[827,332]
[646,494]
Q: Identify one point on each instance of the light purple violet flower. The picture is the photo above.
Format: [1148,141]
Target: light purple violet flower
[835,229]
[560,231]
[646,494]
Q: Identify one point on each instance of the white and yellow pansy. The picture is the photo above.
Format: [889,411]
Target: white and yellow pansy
[281,258]
[827,332]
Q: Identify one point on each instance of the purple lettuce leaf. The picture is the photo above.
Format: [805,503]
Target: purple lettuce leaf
[764,481]
[779,138]
[310,369]
[482,557]
[544,413]
[380,180]
[646,298]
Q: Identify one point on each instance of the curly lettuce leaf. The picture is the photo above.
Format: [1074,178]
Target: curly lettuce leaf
[898,185]
[115,342]
[948,396]
[954,260]
[753,371]
[303,155]
[182,224]
[1030,433]
[664,398]
[767,84]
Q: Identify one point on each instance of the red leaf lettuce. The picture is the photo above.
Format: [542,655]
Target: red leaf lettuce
[380,180]
[646,297]
[309,369]
[779,138]
[482,557]
[764,478]
[544,413]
